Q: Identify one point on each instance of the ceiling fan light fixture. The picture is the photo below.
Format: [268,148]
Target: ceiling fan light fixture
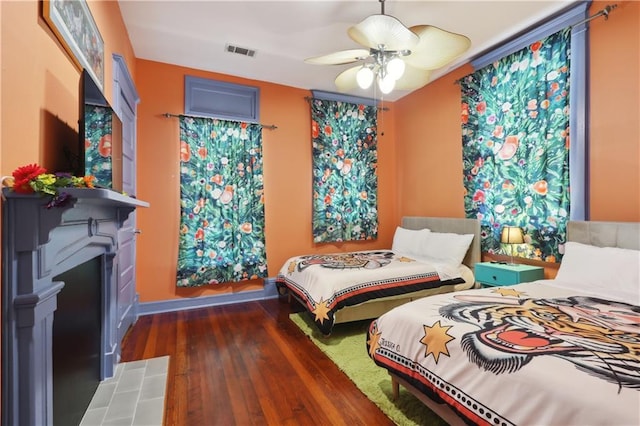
[386,83]
[395,68]
[397,57]
[364,77]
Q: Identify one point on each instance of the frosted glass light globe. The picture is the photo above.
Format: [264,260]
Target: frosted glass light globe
[386,84]
[395,68]
[364,77]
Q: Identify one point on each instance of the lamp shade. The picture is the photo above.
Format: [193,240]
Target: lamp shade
[512,235]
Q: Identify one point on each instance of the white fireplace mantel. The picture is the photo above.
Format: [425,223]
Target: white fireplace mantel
[39,243]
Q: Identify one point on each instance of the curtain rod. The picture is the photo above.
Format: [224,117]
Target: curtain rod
[265,126]
[604,12]
[310,98]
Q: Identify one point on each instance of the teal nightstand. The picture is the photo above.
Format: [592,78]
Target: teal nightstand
[498,274]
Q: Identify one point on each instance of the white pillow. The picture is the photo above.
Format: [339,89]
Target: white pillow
[607,271]
[447,247]
[408,241]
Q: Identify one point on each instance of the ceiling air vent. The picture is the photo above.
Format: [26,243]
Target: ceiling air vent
[240,50]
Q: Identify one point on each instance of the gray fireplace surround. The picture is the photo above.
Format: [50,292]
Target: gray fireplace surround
[40,243]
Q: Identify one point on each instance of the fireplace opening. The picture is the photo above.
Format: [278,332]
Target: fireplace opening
[76,345]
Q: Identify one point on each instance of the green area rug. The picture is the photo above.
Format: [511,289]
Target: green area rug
[347,348]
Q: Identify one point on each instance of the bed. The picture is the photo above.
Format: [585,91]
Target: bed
[344,287]
[550,352]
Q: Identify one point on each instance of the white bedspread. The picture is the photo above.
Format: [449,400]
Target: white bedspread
[326,283]
[531,354]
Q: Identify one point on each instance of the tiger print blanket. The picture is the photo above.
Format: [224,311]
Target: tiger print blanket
[526,354]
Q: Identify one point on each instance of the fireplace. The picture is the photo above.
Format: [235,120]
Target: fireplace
[41,249]
[76,341]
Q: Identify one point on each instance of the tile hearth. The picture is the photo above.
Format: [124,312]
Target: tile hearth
[135,396]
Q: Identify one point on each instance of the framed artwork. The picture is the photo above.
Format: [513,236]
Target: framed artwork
[72,23]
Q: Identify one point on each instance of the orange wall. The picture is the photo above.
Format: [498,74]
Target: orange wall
[40,83]
[430,149]
[614,125]
[429,139]
[287,179]
[39,89]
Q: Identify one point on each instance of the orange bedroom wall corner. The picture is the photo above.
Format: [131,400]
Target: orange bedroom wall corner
[287,180]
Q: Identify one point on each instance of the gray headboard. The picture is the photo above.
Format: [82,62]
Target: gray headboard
[605,234]
[447,224]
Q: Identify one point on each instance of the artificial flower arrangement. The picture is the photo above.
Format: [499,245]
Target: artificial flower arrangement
[32,179]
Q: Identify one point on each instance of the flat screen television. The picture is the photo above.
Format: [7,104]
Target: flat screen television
[100,137]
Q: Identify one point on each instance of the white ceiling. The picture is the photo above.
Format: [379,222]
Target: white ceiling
[194,33]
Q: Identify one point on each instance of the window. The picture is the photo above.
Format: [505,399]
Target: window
[211,98]
[345,181]
[517,111]
[221,200]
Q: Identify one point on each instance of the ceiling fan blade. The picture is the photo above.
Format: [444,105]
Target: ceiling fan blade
[383,30]
[413,78]
[346,80]
[436,48]
[339,58]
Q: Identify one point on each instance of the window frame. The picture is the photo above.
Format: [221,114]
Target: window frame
[575,17]
[220,99]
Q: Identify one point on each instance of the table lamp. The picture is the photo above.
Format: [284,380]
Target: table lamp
[512,235]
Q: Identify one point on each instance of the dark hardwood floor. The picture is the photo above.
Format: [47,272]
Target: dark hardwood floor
[247,364]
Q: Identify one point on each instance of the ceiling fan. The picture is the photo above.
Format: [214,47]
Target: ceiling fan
[396,56]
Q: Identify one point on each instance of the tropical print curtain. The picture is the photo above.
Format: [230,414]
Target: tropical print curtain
[515,135]
[221,202]
[97,144]
[345,180]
